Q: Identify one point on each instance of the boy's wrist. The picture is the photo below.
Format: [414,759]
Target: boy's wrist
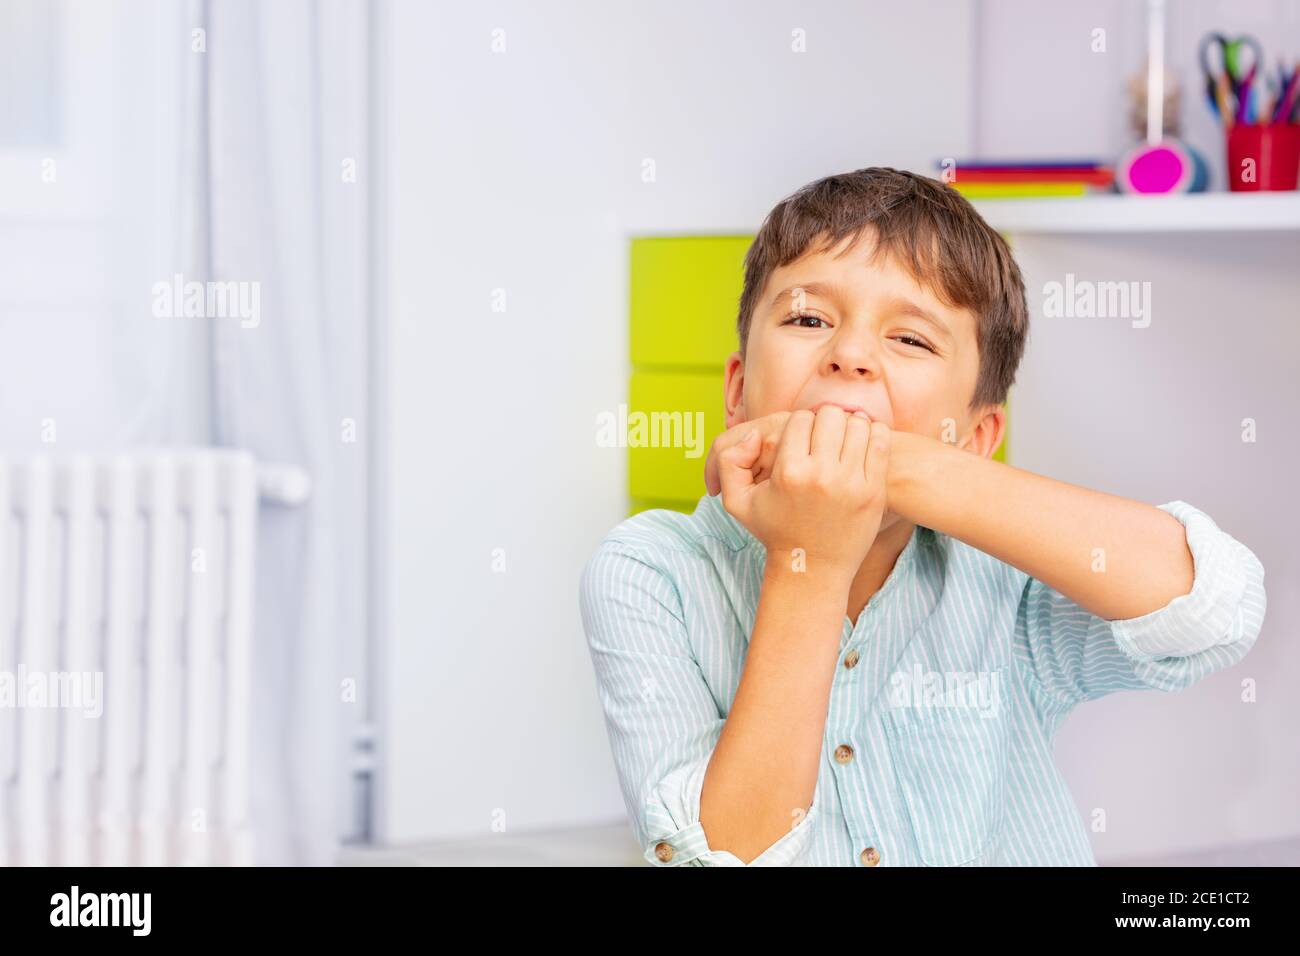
[912,460]
[807,572]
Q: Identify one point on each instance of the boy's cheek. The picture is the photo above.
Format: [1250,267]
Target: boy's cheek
[944,429]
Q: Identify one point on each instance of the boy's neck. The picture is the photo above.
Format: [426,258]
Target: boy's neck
[880,560]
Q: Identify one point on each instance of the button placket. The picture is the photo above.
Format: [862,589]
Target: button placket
[844,755]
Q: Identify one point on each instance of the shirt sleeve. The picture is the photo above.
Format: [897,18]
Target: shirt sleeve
[662,719]
[1077,656]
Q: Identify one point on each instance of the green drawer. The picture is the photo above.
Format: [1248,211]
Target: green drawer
[673,406]
[685,296]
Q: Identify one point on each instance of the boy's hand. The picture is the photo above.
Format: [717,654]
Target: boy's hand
[826,493]
[769,428]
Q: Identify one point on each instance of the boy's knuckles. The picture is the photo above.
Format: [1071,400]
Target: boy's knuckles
[810,479]
[783,481]
[731,454]
[792,468]
[803,416]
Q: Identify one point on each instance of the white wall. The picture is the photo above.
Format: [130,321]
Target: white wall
[1155,414]
[522,171]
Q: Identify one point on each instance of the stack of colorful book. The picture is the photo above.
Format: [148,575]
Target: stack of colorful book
[1020,180]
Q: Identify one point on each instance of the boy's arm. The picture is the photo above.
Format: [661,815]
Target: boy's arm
[1058,533]
[763,775]
[663,720]
[1077,652]
[1076,656]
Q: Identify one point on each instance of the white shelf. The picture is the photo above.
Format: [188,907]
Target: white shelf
[1105,213]
[1194,212]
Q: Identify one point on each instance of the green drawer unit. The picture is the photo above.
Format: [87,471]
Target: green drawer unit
[685,296]
[681,413]
[685,292]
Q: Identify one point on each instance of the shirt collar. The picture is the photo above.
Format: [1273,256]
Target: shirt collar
[722,524]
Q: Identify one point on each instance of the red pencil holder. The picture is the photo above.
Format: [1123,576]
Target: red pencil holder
[1264,156]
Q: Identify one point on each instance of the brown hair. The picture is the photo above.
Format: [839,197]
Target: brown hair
[927,227]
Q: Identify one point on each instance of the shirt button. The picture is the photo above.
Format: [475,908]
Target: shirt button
[851,659]
[843,753]
[664,851]
[870,856]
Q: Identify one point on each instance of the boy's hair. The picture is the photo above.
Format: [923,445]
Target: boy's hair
[930,230]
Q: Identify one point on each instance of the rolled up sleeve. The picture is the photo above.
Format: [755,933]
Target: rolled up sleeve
[1224,609]
[662,719]
[1078,656]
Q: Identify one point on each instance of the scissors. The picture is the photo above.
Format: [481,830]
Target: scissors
[1235,61]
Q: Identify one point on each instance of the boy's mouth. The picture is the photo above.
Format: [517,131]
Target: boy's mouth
[848,408]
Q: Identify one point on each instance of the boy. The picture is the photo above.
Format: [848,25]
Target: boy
[859,654]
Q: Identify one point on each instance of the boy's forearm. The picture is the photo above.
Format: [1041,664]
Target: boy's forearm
[1114,557]
[763,773]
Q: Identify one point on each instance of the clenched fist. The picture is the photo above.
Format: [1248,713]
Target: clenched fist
[826,491]
[769,428]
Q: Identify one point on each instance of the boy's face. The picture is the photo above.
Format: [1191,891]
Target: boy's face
[871,337]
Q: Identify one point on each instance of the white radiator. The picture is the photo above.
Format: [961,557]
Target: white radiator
[126,607]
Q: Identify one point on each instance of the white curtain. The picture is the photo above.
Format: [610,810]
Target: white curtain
[280,199]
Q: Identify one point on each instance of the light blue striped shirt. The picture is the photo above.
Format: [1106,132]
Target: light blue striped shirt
[947,692]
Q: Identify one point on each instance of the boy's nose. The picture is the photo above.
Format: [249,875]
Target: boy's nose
[855,354]
[862,369]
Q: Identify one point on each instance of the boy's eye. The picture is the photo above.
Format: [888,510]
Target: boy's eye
[797,317]
[913,340]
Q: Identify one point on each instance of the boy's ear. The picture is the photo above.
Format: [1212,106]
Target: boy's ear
[986,436]
[733,389]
